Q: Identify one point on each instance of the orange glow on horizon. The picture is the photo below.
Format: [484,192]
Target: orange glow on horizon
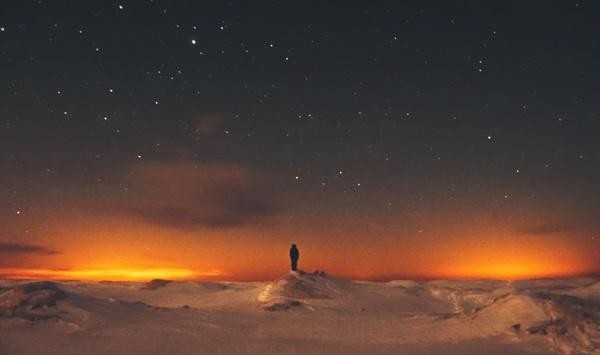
[102,248]
[109,274]
[500,271]
[510,271]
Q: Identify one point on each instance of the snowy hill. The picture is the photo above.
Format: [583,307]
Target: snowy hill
[301,313]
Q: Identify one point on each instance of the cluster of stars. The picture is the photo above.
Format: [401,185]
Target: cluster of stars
[352,113]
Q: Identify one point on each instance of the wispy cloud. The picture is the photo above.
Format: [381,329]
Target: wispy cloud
[17,248]
[188,195]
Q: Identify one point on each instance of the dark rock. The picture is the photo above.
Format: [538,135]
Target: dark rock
[280,305]
[156,284]
[20,300]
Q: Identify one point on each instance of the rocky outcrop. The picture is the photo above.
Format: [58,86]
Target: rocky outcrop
[25,300]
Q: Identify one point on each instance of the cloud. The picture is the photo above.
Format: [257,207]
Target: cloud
[208,124]
[546,229]
[190,195]
[18,249]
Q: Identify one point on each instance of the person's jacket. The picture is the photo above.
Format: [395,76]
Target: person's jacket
[294,253]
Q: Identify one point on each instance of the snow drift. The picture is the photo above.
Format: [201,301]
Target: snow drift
[301,313]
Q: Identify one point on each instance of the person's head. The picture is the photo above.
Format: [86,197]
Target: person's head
[293,245]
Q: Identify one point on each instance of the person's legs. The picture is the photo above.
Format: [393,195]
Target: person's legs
[294,265]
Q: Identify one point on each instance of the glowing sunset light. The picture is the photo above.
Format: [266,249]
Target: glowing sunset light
[117,274]
[389,177]
[513,257]
[409,170]
[509,271]
[137,252]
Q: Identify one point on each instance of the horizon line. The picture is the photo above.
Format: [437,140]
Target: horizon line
[182,274]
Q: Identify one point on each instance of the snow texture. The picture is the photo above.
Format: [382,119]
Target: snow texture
[301,313]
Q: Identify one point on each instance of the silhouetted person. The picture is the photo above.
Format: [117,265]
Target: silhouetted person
[294,256]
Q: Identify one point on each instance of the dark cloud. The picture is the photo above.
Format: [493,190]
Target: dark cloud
[546,229]
[188,195]
[17,249]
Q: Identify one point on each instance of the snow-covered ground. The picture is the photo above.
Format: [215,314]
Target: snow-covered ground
[301,313]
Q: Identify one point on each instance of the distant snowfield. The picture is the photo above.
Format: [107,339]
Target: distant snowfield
[301,313]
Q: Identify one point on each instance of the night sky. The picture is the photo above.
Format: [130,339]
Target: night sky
[387,139]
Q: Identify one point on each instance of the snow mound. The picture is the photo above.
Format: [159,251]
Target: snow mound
[553,284]
[23,300]
[507,311]
[570,324]
[308,286]
[403,283]
[284,293]
[467,298]
[589,292]
[573,325]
